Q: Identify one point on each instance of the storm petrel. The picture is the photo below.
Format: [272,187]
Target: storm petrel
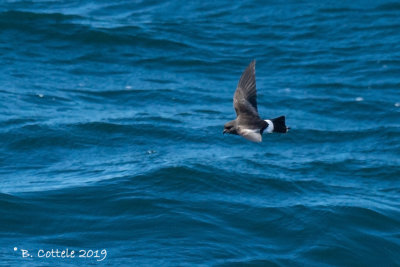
[248,123]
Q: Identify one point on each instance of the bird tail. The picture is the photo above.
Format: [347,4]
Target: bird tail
[280,125]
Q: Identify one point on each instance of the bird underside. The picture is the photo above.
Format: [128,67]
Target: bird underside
[251,134]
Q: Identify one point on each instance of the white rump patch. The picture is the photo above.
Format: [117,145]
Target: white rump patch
[270,127]
[251,134]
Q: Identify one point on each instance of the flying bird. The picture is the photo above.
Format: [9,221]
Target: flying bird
[248,123]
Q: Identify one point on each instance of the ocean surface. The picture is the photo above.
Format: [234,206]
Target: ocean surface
[111,145]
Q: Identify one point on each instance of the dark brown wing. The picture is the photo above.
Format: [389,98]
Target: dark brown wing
[245,98]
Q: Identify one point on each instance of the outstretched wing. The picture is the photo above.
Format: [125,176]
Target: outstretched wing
[245,98]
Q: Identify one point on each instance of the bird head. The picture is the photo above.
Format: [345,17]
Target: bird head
[230,128]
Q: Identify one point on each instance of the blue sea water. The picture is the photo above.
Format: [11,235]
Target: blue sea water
[111,119]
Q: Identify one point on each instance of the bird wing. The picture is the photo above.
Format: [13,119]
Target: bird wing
[245,97]
[251,134]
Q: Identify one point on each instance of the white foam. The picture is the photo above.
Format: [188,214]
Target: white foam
[359,99]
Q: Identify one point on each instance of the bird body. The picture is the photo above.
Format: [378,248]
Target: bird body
[248,123]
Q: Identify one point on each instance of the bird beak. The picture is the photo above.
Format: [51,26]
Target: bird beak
[224,132]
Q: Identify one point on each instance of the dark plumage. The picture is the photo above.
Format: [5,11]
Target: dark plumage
[248,123]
